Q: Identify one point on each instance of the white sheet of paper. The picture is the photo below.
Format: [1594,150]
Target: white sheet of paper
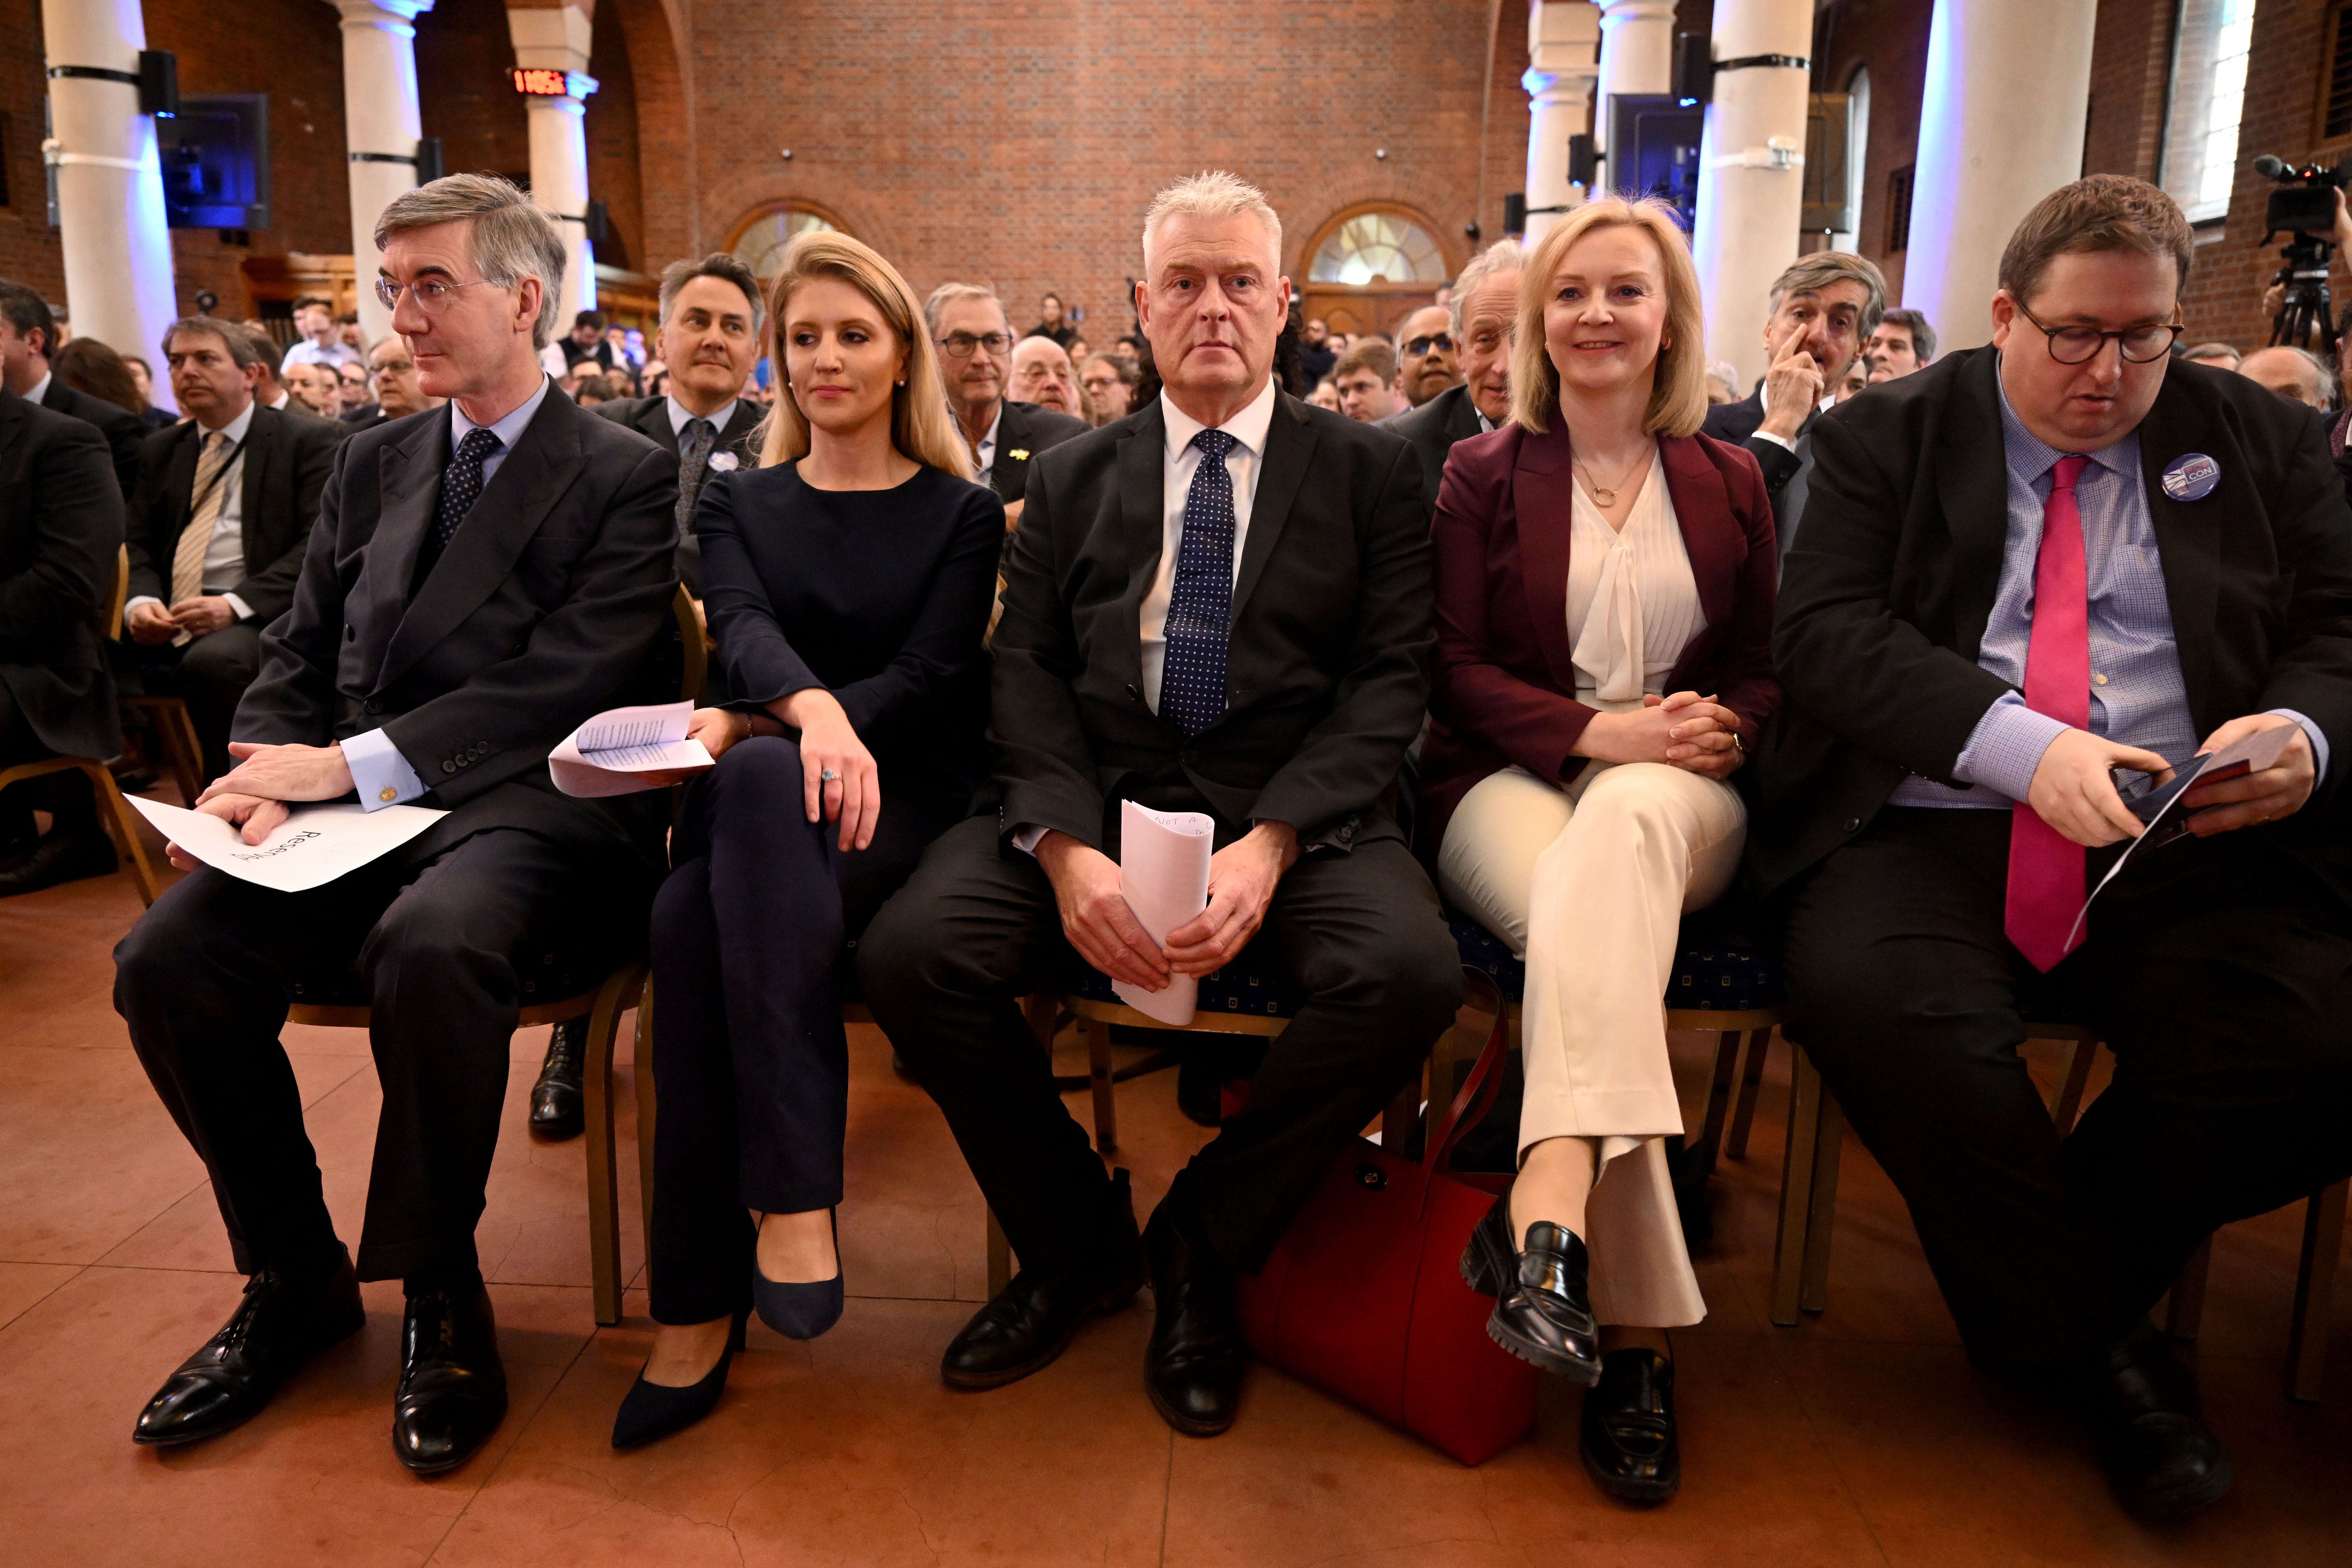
[608,754]
[311,848]
[1163,873]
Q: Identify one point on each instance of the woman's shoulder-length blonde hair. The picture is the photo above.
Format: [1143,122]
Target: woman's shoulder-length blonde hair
[920,426]
[1678,390]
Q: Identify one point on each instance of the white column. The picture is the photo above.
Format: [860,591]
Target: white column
[1751,173]
[2008,90]
[380,125]
[556,39]
[1637,56]
[118,249]
[1561,39]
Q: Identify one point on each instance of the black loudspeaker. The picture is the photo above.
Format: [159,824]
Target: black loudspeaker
[1583,161]
[428,159]
[1694,69]
[159,83]
[1514,213]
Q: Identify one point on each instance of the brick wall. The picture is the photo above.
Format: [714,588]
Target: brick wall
[29,250]
[612,135]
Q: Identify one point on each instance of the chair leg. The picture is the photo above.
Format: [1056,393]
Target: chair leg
[1789,1243]
[603,1178]
[1743,1113]
[1000,1257]
[642,1072]
[1821,1216]
[1718,1100]
[1098,1077]
[2315,1292]
[2184,1315]
[2069,1103]
[126,830]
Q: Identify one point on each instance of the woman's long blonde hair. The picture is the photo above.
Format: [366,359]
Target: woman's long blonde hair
[1678,386]
[920,426]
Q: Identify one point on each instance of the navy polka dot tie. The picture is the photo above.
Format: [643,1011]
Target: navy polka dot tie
[1201,600]
[461,484]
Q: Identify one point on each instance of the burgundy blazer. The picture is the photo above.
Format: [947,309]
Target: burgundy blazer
[1505,685]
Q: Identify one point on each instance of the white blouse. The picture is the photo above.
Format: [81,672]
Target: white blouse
[1633,603]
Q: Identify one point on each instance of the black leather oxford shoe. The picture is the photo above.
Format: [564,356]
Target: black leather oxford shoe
[57,858]
[558,1106]
[281,1324]
[453,1387]
[1033,1319]
[1628,1438]
[2161,1458]
[1543,1308]
[1193,1367]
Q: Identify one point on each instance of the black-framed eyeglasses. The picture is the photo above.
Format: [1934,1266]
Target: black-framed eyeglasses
[960,345]
[2080,345]
[430,292]
[1441,342]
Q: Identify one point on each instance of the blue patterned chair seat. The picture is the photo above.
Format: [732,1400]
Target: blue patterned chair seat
[1250,985]
[1711,973]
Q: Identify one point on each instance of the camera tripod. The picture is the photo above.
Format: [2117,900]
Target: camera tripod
[2307,318]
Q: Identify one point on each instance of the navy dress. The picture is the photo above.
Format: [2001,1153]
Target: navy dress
[881,597]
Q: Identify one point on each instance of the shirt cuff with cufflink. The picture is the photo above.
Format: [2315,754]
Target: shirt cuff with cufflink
[379,772]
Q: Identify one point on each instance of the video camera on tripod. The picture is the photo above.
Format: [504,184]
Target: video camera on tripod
[2305,207]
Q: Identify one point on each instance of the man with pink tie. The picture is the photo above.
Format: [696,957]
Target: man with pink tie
[2031,580]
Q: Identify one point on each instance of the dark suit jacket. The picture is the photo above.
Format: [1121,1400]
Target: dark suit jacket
[1506,686]
[1326,674]
[546,608]
[1885,594]
[60,525]
[1025,431]
[286,463]
[1432,429]
[124,431]
[1786,473]
[650,417]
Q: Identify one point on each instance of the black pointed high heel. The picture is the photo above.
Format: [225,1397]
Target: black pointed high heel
[652,1410]
[799,1310]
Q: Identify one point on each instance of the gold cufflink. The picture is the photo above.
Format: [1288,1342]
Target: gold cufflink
[387,793]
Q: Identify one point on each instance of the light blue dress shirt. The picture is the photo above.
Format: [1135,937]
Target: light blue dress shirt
[2137,695]
[381,774]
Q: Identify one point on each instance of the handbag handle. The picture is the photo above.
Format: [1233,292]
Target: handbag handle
[1478,1091]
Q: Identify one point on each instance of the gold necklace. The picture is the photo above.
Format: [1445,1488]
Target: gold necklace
[1609,496]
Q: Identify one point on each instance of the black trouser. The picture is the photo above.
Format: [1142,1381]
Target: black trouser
[976,928]
[2220,974]
[202,978]
[750,1067]
[65,797]
[210,675]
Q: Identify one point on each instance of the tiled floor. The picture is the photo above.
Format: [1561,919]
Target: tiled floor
[1858,1437]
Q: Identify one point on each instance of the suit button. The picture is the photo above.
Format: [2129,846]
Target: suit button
[372,706]
[464,760]
[449,767]
[1851,824]
[1131,691]
[350,634]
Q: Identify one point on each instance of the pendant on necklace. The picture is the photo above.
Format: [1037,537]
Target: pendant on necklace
[1606,498]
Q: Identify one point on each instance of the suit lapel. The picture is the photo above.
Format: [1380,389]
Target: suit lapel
[1972,491]
[179,481]
[1703,515]
[261,451]
[408,482]
[1142,456]
[2189,532]
[1543,501]
[1289,446]
[653,423]
[1461,419]
[736,437]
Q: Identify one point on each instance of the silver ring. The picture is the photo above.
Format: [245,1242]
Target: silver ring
[828,776]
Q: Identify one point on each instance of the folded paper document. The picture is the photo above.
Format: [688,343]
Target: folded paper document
[1163,871]
[612,753]
[311,848]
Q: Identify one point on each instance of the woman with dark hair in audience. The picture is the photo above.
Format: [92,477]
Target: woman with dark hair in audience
[91,367]
[848,580]
[1605,580]
[142,378]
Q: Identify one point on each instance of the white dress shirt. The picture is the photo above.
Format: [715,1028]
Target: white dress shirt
[40,388]
[984,455]
[680,416]
[1632,602]
[380,773]
[224,551]
[308,353]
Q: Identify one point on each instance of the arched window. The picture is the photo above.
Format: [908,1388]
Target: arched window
[1378,247]
[760,243]
[1857,154]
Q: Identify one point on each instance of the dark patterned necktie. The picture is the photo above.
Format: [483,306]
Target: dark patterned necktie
[461,484]
[1201,600]
[693,467]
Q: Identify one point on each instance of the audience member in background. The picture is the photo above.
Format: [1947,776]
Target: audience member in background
[394,378]
[1324,396]
[1366,380]
[1053,323]
[28,333]
[596,391]
[142,375]
[1486,303]
[2221,356]
[1043,376]
[270,392]
[481,582]
[1857,376]
[358,406]
[1943,793]
[2296,374]
[586,343]
[1825,307]
[316,387]
[656,376]
[1722,383]
[1110,386]
[1279,704]
[851,576]
[1316,353]
[1902,343]
[89,367]
[347,327]
[1426,364]
[1605,580]
[967,325]
[60,525]
[321,341]
[223,508]
[625,362]
[1078,349]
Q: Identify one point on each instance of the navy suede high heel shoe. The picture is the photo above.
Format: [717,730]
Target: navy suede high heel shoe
[652,1410]
[799,1310]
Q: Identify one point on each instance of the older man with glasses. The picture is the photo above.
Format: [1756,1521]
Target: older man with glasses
[975,341]
[1425,355]
[1477,323]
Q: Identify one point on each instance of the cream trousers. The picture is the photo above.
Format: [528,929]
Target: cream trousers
[1589,884]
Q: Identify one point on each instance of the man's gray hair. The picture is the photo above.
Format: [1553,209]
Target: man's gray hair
[1923,336]
[1212,193]
[1503,255]
[719,264]
[1827,268]
[511,239]
[235,339]
[2322,379]
[947,294]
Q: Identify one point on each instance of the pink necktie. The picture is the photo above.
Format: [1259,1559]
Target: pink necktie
[2046,876]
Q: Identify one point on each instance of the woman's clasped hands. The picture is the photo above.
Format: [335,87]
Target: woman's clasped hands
[1683,731]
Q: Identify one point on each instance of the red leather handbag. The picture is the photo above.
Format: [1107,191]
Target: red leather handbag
[1364,1298]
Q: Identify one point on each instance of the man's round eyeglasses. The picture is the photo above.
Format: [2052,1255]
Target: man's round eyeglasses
[2080,345]
[430,292]
[960,345]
